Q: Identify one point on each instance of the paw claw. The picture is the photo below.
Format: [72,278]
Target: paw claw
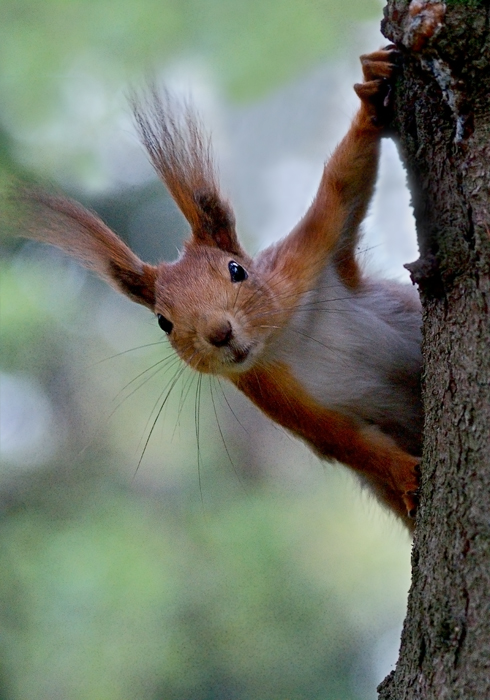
[387,97]
[411,489]
[376,91]
[411,500]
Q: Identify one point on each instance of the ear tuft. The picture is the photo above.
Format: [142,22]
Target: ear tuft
[52,218]
[181,155]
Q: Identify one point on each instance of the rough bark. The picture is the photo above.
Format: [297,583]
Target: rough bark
[442,107]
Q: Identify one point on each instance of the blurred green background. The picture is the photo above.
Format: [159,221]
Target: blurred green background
[155,555]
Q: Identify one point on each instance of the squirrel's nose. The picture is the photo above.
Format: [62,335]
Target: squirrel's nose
[221,335]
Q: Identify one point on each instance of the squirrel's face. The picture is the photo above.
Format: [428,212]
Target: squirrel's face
[216,310]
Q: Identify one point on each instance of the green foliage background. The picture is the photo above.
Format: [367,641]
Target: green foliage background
[191,577]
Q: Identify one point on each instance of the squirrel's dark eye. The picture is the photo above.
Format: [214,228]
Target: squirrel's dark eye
[237,273]
[165,324]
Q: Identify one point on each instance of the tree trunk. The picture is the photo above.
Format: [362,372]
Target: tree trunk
[442,108]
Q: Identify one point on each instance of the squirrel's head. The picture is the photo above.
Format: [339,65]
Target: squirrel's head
[216,306]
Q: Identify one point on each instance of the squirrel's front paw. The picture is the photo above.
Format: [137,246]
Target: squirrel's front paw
[411,495]
[411,501]
[375,92]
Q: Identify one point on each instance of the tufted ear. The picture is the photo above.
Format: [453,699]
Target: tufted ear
[181,155]
[80,233]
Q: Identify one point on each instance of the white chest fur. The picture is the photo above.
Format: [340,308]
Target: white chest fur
[351,350]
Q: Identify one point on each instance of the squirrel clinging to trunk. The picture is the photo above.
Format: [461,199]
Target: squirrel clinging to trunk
[348,382]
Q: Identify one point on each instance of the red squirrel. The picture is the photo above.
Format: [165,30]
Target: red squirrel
[347,382]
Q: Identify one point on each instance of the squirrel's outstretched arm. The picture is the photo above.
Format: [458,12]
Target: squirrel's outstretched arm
[330,226]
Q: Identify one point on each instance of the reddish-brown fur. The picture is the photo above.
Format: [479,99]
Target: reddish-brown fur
[390,470]
[234,330]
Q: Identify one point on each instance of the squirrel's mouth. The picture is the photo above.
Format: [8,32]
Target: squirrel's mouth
[240,355]
[237,358]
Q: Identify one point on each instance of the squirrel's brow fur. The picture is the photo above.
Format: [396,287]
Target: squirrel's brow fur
[180,152]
